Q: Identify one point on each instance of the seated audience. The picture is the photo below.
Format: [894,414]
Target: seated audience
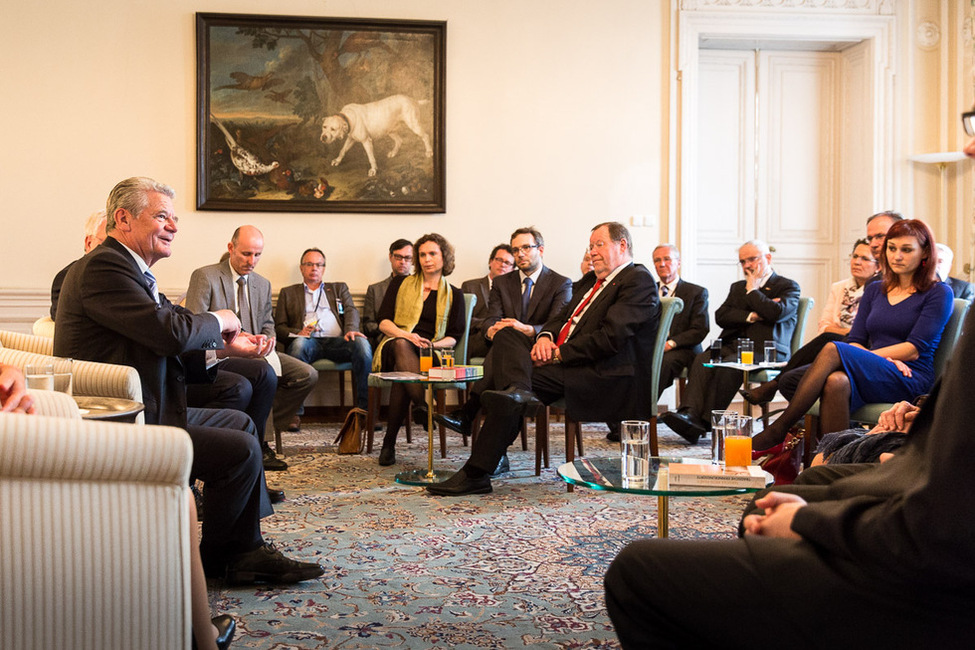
[835,323]
[401,263]
[593,353]
[889,353]
[586,265]
[419,310]
[318,320]
[959,287]
[500,262]
[762,307]
[94,235]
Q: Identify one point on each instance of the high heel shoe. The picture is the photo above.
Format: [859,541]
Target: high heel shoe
[226,628]
[757,397]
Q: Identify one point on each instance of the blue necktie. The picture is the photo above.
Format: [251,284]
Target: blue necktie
[525,298]
[151,279]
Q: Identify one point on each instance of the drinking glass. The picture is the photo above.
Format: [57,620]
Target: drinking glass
[716,351]
[63,375]
[635,458]
[426,358]
[40,375]
[746,351]
[769,352]
[738,442]
[447,357]
[720,422]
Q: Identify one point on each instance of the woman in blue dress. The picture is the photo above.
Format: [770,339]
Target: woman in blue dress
[888,355]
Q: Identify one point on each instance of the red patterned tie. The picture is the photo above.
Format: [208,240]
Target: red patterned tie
[564,332]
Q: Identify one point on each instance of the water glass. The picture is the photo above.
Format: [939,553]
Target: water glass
[769,352]
[746,351]
[63,375]
[720,422]
[738,442]
[40,375]
[716,351]
[635,459]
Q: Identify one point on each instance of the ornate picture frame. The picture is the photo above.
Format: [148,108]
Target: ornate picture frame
[302,114]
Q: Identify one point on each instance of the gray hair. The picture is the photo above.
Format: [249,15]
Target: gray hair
[890,214]
[674,251]
[131,195]
[94,220]
[760,244]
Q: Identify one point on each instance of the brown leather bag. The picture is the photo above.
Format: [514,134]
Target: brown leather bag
[350,439]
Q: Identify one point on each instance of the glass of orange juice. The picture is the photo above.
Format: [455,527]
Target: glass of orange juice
[746,351]
[738,443]
[426,358]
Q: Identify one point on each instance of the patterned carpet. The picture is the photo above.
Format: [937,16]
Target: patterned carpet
[520,567]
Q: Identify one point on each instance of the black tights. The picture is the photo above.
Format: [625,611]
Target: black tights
[825,381]
[406,358]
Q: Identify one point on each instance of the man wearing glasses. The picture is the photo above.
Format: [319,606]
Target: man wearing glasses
[400,263]
[317,320]
[877,227]
[762,307]
[500,262]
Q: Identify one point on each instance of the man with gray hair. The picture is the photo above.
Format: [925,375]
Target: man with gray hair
[94,235]
[762,307]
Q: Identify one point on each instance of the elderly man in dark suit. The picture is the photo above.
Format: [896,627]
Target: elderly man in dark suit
[690,326]
[762,307]
[110,310]
[595,353]
[500,262]
[959,287]
[401,263]
[318,320]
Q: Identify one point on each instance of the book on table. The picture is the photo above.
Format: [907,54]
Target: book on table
[710,475]
[451,373]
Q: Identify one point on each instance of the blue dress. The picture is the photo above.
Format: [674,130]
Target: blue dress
[919,319]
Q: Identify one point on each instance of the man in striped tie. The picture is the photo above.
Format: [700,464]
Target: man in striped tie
[595,353]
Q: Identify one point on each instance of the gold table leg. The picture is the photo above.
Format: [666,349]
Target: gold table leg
[663,516]
[430,473]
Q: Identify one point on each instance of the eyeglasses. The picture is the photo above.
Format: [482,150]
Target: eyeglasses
[503,262]
[749,260]
[402,258]
[315,265]
[527,248]
[968,120]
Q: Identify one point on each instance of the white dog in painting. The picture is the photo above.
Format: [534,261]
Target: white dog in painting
[367,122]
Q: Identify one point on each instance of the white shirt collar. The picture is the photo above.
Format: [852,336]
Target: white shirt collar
[533,276]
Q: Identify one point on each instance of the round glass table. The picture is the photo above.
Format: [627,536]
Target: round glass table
[606,474]
[428,475]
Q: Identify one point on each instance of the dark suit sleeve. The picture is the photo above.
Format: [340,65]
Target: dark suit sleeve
[286,322]
[559,301]
[456,320]
[697,322]
[494,310]
[350,315]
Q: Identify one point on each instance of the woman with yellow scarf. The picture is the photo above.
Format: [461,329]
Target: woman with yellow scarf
[418,310]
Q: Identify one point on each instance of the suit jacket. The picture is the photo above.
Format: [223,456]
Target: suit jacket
[106,313]
[549,296]
[374,298]
[289,315]
[212,287]
[606,360]
[775,303]
[480,287]
[692,325]
[960,288]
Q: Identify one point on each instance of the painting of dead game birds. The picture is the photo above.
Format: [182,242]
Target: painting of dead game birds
[320,114]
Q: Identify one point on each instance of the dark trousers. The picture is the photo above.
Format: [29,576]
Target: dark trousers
[246,385]
[672,365]
[710,389]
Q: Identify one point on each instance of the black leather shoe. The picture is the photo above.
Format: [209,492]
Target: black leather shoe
[387,456]
[685,425]
[510,401]
[504,465]
[271,461]
[275,496]
[267,564]
[459,485]
[226,628]
[455,421]
[614,431]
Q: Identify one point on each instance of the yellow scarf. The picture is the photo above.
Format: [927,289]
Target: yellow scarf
[409,306]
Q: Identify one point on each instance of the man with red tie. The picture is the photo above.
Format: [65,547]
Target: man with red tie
[595,353]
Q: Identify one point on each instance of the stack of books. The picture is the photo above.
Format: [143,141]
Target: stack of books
[452,373]
[709,475]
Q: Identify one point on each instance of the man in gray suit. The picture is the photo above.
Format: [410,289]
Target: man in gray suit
[401,263]
[318,320]
[234,285]
[500,262]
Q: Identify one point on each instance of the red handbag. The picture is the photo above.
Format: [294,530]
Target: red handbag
[784,460]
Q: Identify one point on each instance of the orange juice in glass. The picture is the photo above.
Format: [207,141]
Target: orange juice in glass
[737,451]
[426,359]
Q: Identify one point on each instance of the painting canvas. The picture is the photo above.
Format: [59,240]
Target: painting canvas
[320,114]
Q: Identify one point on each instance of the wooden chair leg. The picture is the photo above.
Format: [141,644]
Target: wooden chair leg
[573,432]
[524,433]
[541,438]
[375,399]
[277,441]
[653,436]
[341,375]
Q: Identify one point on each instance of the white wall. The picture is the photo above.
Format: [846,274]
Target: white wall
[553,119]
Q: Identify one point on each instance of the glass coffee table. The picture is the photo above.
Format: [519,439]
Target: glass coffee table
[606,474]
[428,475]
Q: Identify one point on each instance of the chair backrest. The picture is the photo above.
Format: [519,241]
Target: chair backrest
[802,318]
[460,350]
[950,335]
[669,307]
[26,342]
[43,326]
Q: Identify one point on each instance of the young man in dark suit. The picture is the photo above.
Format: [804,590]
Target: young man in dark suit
[500,262]
[595,353]
[762,307]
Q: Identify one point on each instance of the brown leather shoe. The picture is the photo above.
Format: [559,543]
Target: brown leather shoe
[267,564]
[295,425]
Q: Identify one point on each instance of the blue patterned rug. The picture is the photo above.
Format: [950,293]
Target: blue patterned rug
[520,567]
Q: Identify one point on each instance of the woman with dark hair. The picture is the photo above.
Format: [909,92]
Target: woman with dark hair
[419,310]
[888,355]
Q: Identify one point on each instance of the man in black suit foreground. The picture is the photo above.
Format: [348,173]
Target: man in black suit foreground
[689,327]
[762,307]
[110,310]
[595,353]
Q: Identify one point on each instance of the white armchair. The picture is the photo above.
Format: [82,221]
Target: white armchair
[94,533]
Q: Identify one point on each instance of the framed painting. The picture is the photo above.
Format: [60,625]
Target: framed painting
[320,114]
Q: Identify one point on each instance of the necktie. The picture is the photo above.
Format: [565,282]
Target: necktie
[243,305]
[564,332]
[151,279]
[525,297]
[664,290]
